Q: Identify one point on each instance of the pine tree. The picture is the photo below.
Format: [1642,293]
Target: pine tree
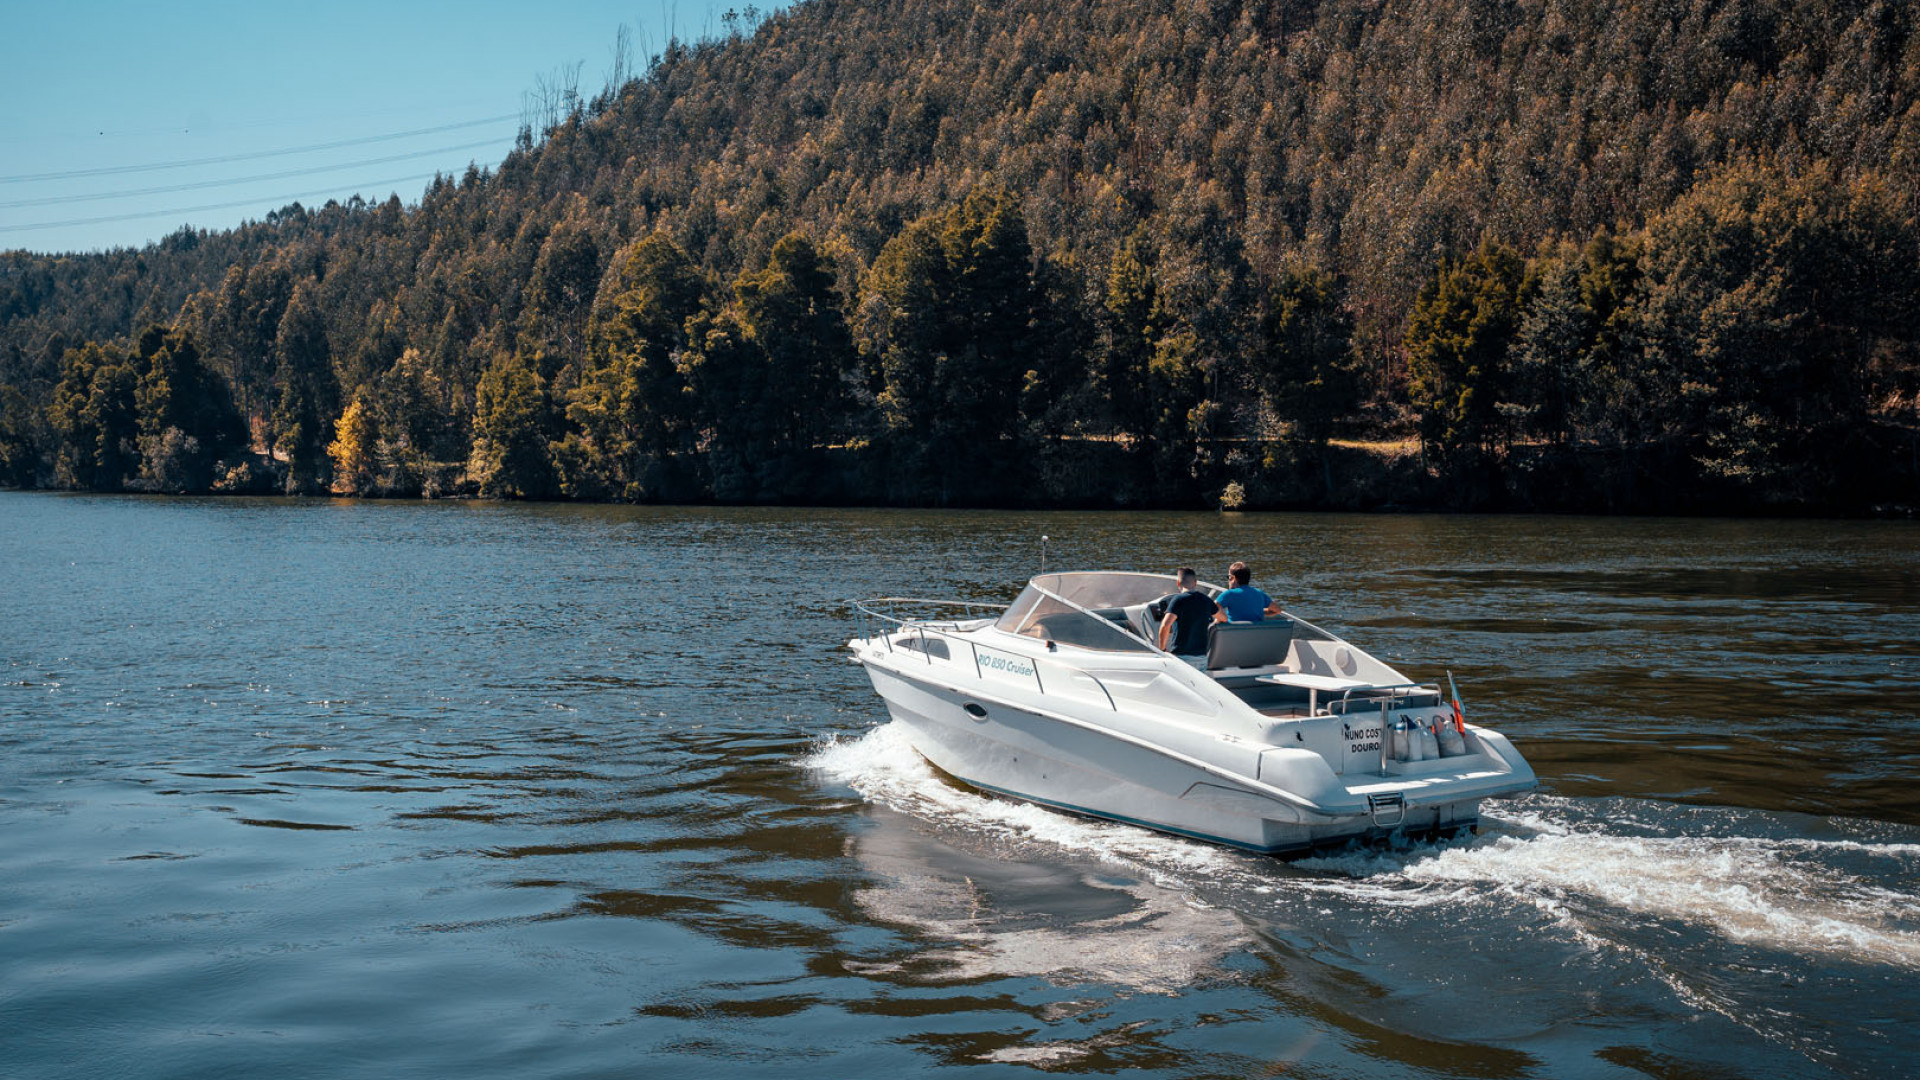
[19,452]
[308,403]
[558,299]
[1766,298]
[735,404]
[1462,325]
[632,408]
[1304,366]
[1131,330]
[510,421]
[794,312]
[187,417]
[95,420]
[949,311]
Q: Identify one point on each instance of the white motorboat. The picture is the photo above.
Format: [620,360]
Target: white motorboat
[1290,739]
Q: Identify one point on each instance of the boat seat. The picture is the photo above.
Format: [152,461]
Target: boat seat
[1248,645]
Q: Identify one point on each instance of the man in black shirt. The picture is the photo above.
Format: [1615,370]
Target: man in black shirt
[1183,630]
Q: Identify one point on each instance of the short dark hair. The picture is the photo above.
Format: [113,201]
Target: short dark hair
[1240,574]
[1186,572]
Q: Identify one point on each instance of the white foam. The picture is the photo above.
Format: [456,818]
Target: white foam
[1773,892]
[885,769]
[1561,856]
[1744,889]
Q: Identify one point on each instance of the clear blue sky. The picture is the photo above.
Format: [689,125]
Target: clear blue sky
[125,87]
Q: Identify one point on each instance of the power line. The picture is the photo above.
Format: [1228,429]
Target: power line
[282,121]
[215,206]
[116,170]
[56,200]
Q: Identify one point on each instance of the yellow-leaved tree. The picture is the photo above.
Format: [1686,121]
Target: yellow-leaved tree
[355,450]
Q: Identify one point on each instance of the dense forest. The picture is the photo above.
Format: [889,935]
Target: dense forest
[1613,255]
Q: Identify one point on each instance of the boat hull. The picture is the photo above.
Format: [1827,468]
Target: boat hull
[1003,748]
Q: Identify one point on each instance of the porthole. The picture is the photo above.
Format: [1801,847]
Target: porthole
[976,710]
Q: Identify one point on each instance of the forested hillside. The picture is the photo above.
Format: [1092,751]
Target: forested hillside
[1570,254]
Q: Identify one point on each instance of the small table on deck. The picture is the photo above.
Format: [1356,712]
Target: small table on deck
[1314,684]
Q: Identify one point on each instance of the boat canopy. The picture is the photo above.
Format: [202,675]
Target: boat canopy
[1085,608]
[1103,610]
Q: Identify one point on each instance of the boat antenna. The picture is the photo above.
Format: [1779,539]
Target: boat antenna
[1043,553]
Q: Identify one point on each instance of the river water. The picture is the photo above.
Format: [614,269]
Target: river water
[314,788]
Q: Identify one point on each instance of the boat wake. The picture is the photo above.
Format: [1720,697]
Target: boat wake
[1828,898]
[885,769]
[1600,870]
[1561,908]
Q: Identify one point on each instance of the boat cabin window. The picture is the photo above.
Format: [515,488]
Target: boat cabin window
[932,646]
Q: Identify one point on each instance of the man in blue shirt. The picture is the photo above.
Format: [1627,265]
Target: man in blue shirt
[1242,602]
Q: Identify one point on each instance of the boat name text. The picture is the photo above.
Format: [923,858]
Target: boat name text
[1008,664]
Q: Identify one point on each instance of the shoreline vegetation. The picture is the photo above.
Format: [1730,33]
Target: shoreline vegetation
[1520,256]
[1359,476]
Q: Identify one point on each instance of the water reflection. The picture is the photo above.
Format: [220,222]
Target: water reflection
[991,916]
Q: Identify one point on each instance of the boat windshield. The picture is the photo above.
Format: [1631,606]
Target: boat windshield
[1085,609]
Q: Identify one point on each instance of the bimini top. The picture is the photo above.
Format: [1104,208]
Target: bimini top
[1087,608]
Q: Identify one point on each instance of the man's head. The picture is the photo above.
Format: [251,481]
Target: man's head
[1238,575]
[1187,576]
